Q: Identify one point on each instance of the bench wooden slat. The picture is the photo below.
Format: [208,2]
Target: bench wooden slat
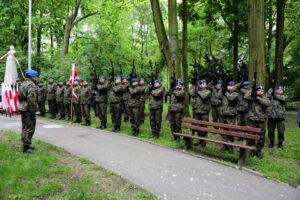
[221,125]
[223,132]
[216,141]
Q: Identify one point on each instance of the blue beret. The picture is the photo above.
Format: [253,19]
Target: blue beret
[231,83]
[101,77]
[125,77]
[85,79]
[220,81]
[280,88]
[246,83]
[179,83]
[134,80]
[31,73]
[202,81]
[118,77]
[67,80]
[260,88]
[41,82]
[77,79]
[142,79]
[158,81]
[61,81]
[51,77]
[179,80]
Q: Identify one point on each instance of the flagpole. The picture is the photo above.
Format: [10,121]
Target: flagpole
[72,103]
[29,37]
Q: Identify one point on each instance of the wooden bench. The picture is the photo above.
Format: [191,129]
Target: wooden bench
[218,128]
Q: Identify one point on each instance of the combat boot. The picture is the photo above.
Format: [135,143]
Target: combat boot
[230,149]
[157,135]
[62,117]
[271,145]
[117,129]
[203,144]
[224,148]
[198,142]
[28,149]
[136,132]
[114,130]
[252,153]
[258,154]
[76,121]
[153,135]
[99,127]
[280,145]
[133,132]
[177,139]
[88,122]
[103,126]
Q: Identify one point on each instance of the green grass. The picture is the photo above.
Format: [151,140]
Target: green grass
[282,165]
[51,173]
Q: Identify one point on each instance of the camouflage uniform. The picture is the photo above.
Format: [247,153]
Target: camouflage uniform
[101,101]
[115,100]
[67,100]
[216,102]
[125,97]
[60,100]
[175,109]
[85,99]
[42,92]
[276,115]
[51,92]
[134,108]
[142,103]
[28,96]
[156,107]
[76,103]
[242,107]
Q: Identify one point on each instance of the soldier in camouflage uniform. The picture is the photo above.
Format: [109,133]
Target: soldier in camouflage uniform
[85,99]
[257,117]
[115,99]
[134,106]
[175,109]
[42,92]
[243,104]
[28,96]
[156,93]
[201,97]
[276,115]
[51,92]
[75,100]
[60,99]
[142,100]
[101,89]
[229,111]
[68,98]
[216,101]
[125,97]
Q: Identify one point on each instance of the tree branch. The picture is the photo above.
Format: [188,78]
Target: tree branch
[286,41]
[224,18]
[82,18]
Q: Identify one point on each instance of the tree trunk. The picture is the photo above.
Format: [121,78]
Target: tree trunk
[279,41]
[39,37]
[184,57]
[235,37]
[269,40]
[256,40]
[67,35]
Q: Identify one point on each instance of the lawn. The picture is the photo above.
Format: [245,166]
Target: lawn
[283,165]
[52,173]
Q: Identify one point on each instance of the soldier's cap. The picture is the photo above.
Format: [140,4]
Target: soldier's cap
[280,88]
[179,80]
[125,77]
[118,77]
[231,83]
[31,73]
[202,81]
[134,80]
[179,83]
[77,79]
[158,81]
[61,81]
[220,81]
[260,88]
[67,80]
[85,79]
[41,82]
[101,77]
[142,79]
[246,83]
[51,77]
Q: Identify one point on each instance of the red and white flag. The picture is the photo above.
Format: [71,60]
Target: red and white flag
[74,74]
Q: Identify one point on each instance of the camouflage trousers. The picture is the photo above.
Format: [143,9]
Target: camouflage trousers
[52,107]
[116,113]
[68,110]
[134,113]
[242,118]
[272,123]
[261,142]
[101,110]
[202,117]
[215,112]
[77,110]
[142,111]
[28,126]
[85,110]
[125,111]
[228,120]
[61,108]
[42,107]
[175,119]
[155,119]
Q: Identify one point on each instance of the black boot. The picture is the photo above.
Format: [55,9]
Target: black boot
[126,119]
[178,139]
[224,148]
[133,132]
[137,132]
[69,118]
[157,135]
[77,121]
[88,122]
[280,145]
[153,135]
[230,149]
[258,154]
[99,127]
[62,117]
[198,142]
[28,149]
[117,129]
[252,153]
[203,144]
[52,116]
[271,145]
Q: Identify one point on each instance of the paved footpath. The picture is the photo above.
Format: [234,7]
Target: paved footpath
[166,173]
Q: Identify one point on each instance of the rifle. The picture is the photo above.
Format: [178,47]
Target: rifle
[224,85]
[152,75]
[242,75]
[254,87]
[94,72]
[195,74]
[275,79]
[133,73]
[112,72]
[121,71]
[173,83]
[156,71]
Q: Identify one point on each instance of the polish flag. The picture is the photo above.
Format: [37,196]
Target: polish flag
[74,74]
[7,94]
[4,102]
[16,98]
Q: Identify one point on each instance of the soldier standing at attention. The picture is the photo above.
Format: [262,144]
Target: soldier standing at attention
[202,97]
[243,104]
[115,99]
[67,98]
[257,117]
[229,112]
[142,100]
[75,100]
[134,106]
[60,99]
[42,92]
[85,101]
[276,115]
[126,85]
[28,96]
[156,92]
[51,92]
[101,89]
[177,96]
[216,101]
